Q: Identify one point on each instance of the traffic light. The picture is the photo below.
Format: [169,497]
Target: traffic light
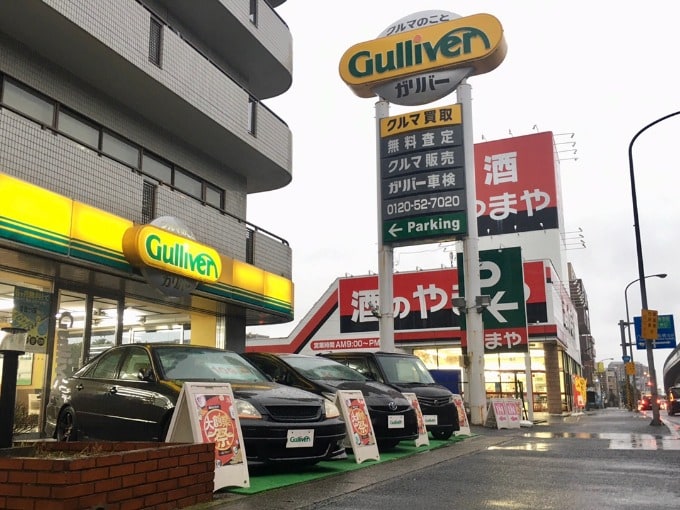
[650,324]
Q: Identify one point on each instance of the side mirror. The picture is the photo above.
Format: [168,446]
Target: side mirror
[145,374]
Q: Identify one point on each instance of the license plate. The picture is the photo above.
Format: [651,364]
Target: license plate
[302,438]
[430,419]
[395,422]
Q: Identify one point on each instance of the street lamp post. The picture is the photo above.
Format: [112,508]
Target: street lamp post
[630,342]
[656,419]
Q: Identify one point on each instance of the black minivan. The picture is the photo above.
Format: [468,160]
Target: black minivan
[673,400]
[408,373]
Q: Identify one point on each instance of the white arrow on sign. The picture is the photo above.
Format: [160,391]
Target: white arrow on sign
[393,230]
[495,307]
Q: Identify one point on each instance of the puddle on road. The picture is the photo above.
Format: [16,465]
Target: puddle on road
[526,447]
[617,441]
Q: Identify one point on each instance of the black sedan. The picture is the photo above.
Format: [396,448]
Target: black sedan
[673,403]
[392,416]
[128,393]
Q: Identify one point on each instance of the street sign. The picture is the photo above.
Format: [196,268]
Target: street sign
[625,359]
[422,176]
[423,228]
[666,333]
[650,324]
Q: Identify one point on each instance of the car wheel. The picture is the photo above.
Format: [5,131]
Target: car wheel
[442,435]
[66,425]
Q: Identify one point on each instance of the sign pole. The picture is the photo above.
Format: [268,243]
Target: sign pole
[385,251]
[529,385]
[473,318]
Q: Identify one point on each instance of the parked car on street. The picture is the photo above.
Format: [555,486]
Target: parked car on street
[673,400]
[645,403]
[407,373]
[128,393]
[392,416]
[593,400]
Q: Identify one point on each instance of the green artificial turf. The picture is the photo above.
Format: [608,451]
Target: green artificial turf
[266,479]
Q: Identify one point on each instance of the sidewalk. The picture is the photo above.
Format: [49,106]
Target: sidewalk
[592,423]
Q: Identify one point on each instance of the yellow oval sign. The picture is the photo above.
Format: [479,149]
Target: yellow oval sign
[473,41]
[160,249]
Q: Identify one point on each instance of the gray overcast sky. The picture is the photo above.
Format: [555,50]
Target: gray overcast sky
[600,70]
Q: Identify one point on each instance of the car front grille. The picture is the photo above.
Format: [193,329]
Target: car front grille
[434,402]
[387,410]
[295,413]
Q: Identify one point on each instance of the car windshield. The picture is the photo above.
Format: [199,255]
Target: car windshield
[191,364]
[322,369]
[405,370]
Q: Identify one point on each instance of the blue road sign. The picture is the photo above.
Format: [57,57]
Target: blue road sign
[666,339]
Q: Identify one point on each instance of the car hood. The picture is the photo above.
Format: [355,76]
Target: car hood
[424,389]
[263,392]
[374,393]
[270,392]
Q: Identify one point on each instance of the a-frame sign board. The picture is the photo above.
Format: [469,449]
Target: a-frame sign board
[423,438]
[358,423]
[206,413]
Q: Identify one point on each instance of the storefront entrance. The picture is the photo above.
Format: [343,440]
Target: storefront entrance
[86,321]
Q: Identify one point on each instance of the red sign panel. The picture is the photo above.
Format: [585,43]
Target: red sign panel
[516,184]
[217,426]
[422,300]
[534,292]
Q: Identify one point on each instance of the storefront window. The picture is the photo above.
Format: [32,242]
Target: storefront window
[25,303]
[175,334]
[440,358]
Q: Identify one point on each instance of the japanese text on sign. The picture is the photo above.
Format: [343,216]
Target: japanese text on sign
[450,201]
[417,121]
[502,168]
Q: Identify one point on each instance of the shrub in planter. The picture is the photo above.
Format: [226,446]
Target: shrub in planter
[24,422]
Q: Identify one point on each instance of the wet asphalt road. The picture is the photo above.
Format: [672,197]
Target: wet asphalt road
[606,459]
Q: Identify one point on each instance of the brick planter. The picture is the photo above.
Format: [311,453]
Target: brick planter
[107,476]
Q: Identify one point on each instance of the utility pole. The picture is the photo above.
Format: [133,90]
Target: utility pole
[622,327]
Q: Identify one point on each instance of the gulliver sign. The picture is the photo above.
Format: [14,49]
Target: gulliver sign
[157,248]
[474,41]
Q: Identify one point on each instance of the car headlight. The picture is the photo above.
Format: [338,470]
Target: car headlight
[332,410]
[247,411]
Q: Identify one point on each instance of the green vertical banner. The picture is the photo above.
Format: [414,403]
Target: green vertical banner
[31,312]
[501,274]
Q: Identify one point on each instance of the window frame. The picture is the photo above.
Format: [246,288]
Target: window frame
[65,112]
[30,92]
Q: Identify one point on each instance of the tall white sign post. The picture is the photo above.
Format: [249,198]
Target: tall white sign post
[385,250]
[473,319]
[419,59]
